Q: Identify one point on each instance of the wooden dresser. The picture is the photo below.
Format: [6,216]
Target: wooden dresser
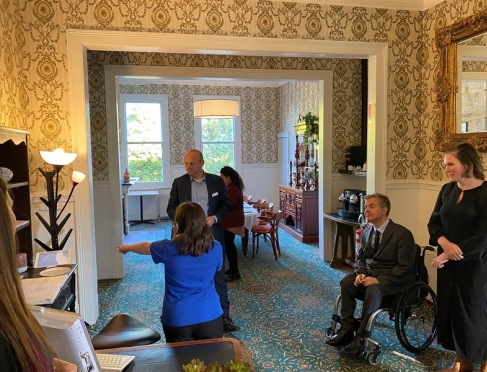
[299,213]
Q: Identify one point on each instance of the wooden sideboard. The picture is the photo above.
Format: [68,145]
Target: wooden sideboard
[299,213]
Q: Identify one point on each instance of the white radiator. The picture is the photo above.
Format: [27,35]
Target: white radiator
[163,199]
[428,258]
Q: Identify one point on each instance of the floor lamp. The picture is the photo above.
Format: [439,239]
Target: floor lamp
[58,159]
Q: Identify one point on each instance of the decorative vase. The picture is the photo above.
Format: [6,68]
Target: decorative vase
[126,176]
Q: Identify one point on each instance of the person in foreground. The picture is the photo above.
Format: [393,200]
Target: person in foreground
[191,308]
[24,347]
[233,222]
[385,266]
[458,226]
[209,191]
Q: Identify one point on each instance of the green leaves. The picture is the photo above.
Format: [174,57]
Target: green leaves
[312,128]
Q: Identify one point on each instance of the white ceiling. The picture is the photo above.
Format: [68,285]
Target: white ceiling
[387,4]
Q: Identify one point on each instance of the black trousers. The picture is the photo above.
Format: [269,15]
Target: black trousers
[231,251]
[372,299]
[200,331]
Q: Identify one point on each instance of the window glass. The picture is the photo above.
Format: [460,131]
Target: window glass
[144,138]
[218,146]
[219,140]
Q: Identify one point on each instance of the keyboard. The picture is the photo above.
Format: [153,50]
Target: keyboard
[113,362]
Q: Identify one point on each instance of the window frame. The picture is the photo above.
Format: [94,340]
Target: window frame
[237,128]
[163,100]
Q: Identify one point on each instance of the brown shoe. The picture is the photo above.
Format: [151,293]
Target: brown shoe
[460,365]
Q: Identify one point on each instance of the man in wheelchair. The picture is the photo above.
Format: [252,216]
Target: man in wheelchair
[384,267]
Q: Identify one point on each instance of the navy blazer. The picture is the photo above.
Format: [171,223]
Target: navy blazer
[218,202]
[393,263]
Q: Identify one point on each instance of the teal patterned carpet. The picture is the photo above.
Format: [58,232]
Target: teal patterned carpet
[284,308]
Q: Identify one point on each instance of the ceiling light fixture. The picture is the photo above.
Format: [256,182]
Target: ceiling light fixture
[216,107]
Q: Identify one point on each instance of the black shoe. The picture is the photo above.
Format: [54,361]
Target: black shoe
[341,338]
[231,277]
[356,347]
[228,325]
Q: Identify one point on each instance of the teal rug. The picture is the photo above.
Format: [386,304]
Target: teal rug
[284,308]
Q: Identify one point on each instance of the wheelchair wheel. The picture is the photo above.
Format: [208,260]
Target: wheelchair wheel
[415,316]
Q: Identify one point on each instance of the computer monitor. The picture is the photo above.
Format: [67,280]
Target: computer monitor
[69,337]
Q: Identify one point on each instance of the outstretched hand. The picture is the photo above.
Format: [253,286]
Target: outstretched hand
[122,249]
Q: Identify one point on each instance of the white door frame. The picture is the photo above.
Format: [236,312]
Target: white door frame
[79,41]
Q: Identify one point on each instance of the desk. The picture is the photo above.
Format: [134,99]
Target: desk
[66,298]
[345,230]
[170,357]
[125,190]
[141,195]
[251,219]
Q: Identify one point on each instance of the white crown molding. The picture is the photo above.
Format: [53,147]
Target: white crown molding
[419,5]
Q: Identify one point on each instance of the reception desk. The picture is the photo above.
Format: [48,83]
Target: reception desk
[170,357]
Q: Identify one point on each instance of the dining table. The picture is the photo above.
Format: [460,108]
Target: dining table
[251,219]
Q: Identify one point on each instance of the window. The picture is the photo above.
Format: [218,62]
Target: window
[144,138]
[219,141]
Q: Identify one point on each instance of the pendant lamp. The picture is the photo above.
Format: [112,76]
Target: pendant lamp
[216,108]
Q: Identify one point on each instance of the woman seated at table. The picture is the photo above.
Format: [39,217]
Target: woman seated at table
[233,222]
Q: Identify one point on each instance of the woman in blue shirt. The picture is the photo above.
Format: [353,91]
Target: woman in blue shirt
[191,308]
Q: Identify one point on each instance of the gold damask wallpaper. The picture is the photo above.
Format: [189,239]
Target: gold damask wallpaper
[34,91]
[265,111]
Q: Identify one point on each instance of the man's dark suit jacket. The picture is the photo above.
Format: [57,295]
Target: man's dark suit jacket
[393,263]
[218,202]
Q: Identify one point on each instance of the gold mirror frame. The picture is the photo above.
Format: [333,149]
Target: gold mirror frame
[447,40]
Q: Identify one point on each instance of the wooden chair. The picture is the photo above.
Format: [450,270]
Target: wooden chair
[256,204]
[265,206]
[265,210]
[271,229]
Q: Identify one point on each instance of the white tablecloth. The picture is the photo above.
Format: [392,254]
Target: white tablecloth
[251,215]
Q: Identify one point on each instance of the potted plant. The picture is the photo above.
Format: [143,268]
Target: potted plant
[311,129]
[197,365]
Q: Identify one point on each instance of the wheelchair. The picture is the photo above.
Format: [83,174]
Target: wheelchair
[413,311]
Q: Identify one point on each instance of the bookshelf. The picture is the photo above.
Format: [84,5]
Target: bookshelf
[15,156]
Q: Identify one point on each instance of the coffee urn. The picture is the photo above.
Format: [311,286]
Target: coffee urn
[361,216]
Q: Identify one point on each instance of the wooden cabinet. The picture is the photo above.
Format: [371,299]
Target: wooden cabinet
[299,213]
[14,156]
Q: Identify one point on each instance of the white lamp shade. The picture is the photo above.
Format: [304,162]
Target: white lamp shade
[78,177]
[216,108]
[58,157]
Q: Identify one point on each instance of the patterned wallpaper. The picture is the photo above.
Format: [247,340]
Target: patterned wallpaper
[34,91]
[262,108]
[259,118]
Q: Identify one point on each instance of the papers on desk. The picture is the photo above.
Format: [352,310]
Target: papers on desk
[41,291]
